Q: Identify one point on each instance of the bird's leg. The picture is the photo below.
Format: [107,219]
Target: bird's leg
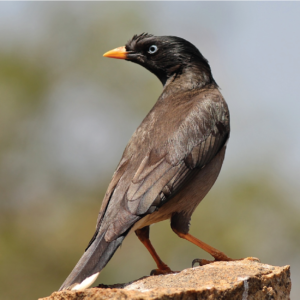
[143,235]
[180,225]
[217,254]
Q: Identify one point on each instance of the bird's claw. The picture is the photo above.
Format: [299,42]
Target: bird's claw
[154,272]
[161,272]
[201,262]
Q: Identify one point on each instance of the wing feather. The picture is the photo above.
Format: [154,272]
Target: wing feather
[156,163]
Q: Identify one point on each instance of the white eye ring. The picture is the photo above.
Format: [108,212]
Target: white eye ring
[152,49]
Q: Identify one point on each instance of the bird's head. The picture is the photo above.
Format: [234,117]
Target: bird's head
[164,56]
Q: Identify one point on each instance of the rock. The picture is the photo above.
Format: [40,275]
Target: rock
[246,279]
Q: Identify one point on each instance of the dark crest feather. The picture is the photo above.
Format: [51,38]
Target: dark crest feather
[138,37]
[135,39]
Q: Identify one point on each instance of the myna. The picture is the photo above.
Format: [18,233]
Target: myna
[171,161]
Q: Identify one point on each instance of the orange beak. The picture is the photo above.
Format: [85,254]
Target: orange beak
[119,53]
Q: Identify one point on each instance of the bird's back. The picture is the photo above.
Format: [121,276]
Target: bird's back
[165,138]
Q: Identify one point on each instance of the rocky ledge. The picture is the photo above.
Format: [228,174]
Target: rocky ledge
[247,279]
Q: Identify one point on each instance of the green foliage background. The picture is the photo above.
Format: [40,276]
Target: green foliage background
[49,201]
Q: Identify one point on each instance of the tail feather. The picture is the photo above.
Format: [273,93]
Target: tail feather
[92,261]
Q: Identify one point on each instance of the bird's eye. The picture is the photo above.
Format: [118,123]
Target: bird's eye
[152,49]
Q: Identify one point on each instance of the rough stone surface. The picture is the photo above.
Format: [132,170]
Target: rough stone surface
[238,280]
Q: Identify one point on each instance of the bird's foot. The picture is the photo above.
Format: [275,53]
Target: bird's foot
[162,271]
[203,262]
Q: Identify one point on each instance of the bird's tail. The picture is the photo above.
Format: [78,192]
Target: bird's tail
[92,262]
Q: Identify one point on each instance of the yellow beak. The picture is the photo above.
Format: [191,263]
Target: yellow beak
[119,53]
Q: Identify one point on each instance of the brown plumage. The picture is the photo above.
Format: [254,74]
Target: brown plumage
[172,159]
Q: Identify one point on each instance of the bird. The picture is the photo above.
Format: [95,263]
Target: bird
[171,161]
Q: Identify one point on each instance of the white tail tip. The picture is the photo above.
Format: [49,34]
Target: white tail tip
[85,283]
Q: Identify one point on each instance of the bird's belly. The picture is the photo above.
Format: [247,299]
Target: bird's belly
[190,195]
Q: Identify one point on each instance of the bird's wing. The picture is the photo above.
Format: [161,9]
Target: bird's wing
[161,172]
[196,142]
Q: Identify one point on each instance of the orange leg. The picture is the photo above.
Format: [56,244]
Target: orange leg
[218,255]
[143,235]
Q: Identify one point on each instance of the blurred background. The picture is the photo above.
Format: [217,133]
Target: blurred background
[66,114]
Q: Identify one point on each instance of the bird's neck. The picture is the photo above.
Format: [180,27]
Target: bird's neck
[188,78]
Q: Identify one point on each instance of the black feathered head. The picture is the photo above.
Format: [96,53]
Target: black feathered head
[163,55]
